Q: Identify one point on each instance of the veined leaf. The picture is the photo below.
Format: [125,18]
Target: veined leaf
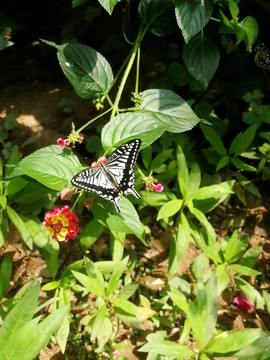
[201,57]
[52,166]
[108,5]
[192,16]
[169,109]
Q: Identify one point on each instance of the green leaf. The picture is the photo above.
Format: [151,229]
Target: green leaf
[90,234]
[115,277]
[156,199]
[53,166]
[106,333]
[201,57]
[194,178]
[242,165]
[93,281]
[125,306]
[98,322]
[249,31]
[243,140]
[244,270]
[213,138]
[257,350]
[231,341]
[157,16]
[183,173]
[127,221]
[251,256]
[87,70]
[222,278]
[167,348]
[20,226]
[22,312]
[235,247]
[5,274]
[161,158]
[179,245]
[108,5]
[169,110]
[215,191]
[129,126]
[169,209]
[224,161]
[179,299]
[192,16]
[205,223]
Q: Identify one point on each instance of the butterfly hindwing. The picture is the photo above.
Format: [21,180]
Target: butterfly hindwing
[114,177]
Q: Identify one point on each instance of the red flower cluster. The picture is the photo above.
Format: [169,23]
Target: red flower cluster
[61,223]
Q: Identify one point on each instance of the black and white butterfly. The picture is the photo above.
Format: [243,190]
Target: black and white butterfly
[262,56]
[115,177]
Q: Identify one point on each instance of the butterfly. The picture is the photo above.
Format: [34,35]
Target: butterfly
[115,177]
[262,56]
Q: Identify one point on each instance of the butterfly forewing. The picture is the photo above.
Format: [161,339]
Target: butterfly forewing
[116,176]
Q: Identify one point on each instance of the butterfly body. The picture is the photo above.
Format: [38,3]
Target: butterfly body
[115,177]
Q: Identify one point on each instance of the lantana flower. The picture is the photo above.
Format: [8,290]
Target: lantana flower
[242,302]
[101,159]
[151,184]
[61,223]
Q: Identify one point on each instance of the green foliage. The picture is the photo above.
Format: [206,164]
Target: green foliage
[171,161]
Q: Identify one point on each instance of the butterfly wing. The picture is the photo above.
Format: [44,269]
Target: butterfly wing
[120,164]
[95,180]
[113,178]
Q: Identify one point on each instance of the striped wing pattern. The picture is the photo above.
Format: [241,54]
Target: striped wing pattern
[113,178]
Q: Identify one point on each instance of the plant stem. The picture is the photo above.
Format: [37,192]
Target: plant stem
[92,120]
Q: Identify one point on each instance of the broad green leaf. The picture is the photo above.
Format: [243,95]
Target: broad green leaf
[108,5]
[53,166]
[169,209]
[50,253]
[129,126]
[192,16]
[33,342]
[127,290]
[157,16]
[90,234]
[22,312]
[211,135]
[127,221]
[231,341]
[169,110]
[210,312]
[243,140]
[201,57]
[167,348]
[15,185]
[88,71]
[257,350]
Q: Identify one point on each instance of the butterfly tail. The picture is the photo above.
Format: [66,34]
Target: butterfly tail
[132,192]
